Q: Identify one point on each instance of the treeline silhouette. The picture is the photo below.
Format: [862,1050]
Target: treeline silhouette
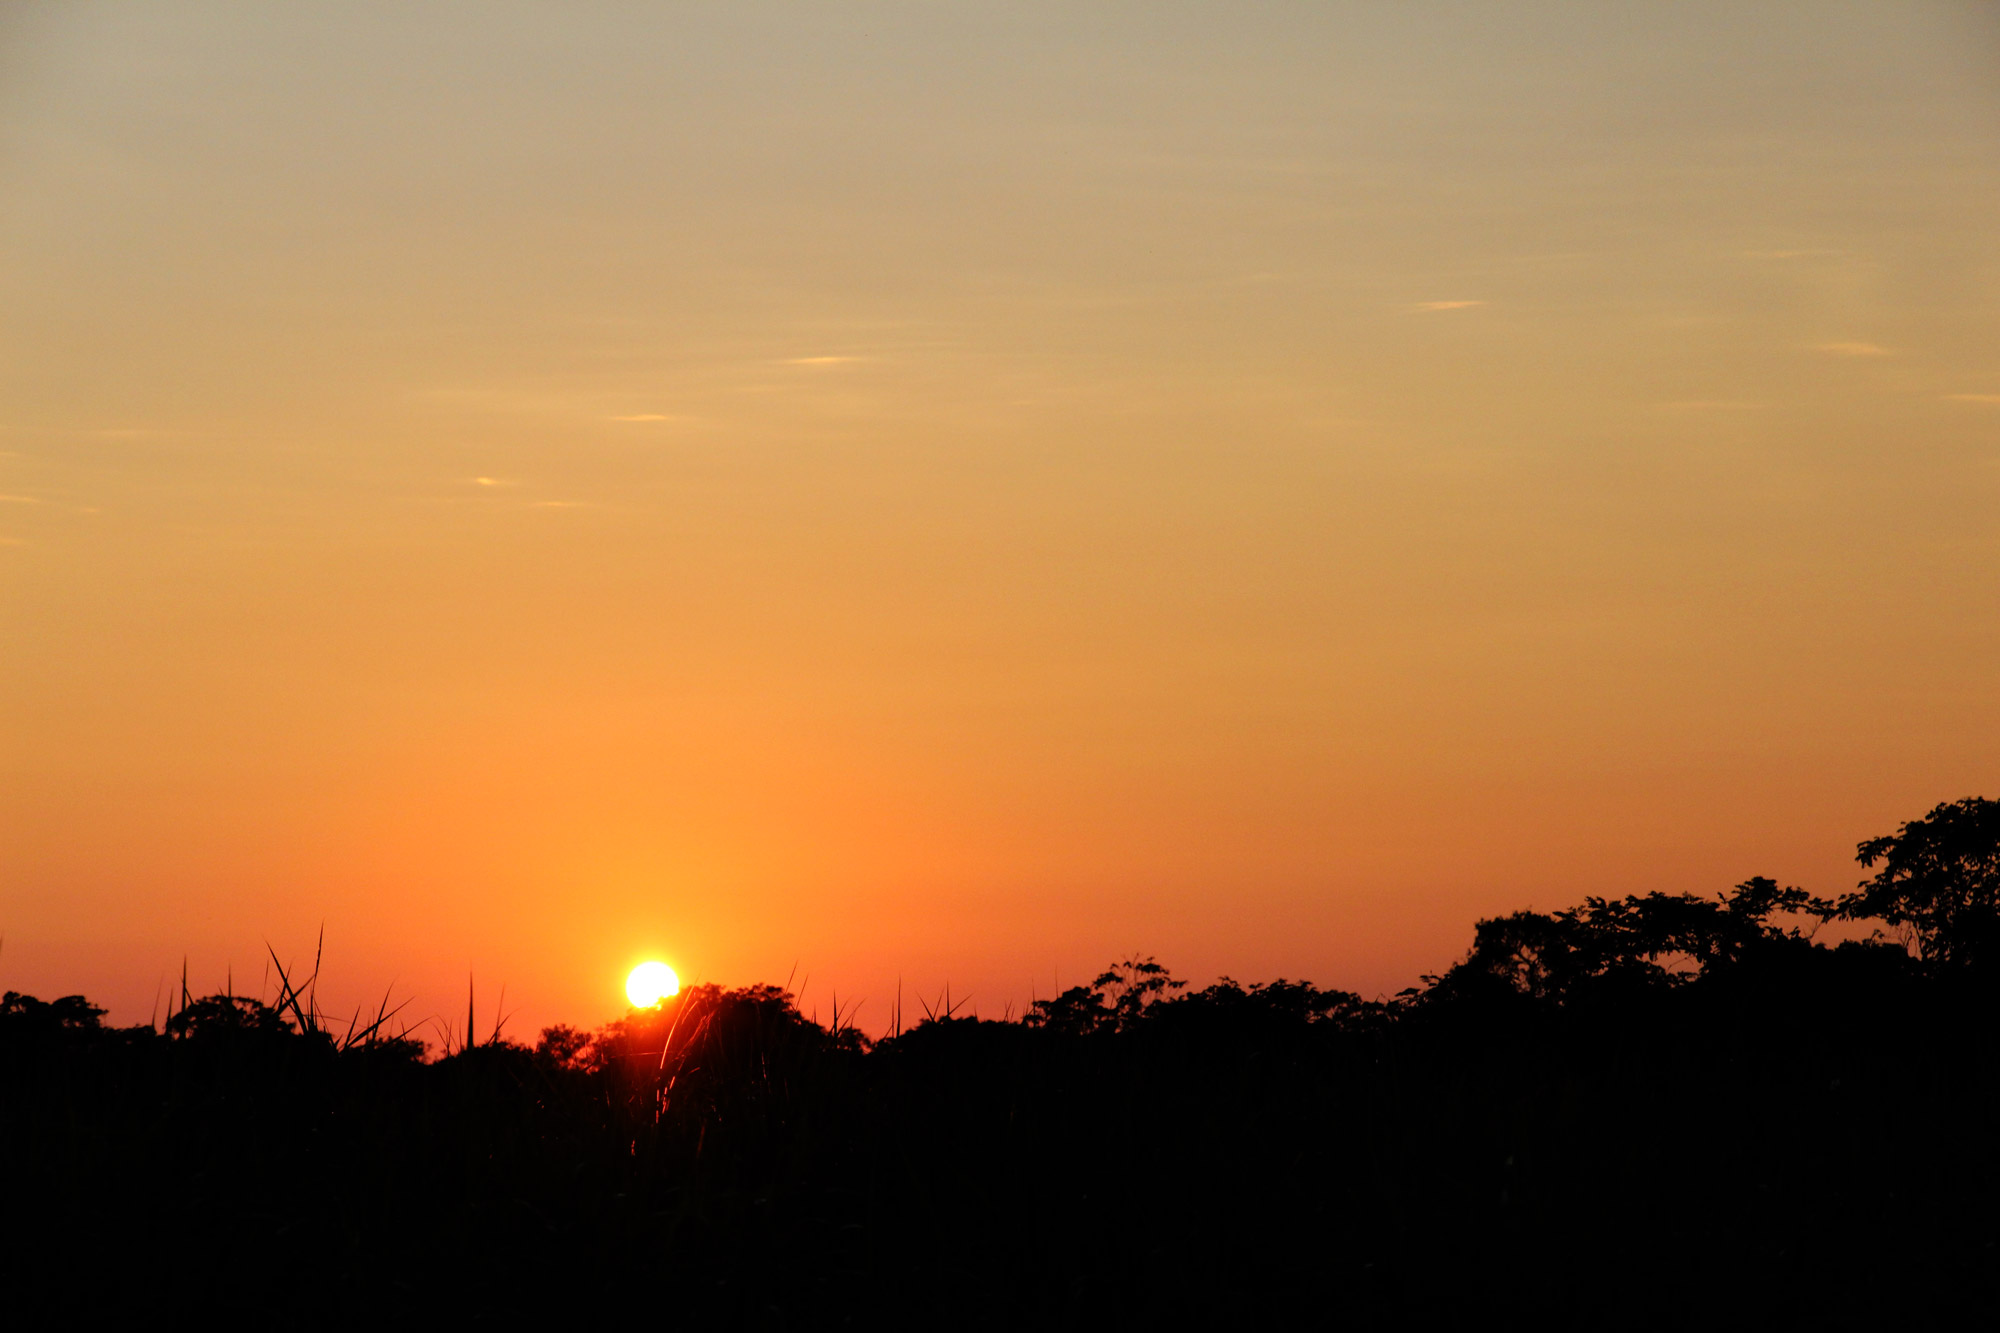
[1655,1109]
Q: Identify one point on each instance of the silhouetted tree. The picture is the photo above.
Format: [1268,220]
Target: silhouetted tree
[32,1028]
[1112,1003]
[22,1015]
[1940,877]
[1637,942]
[228,1017]
[563,1046]
[1262,1004]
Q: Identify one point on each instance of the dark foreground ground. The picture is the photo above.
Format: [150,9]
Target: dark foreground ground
[1808,1134]
[1656,1111]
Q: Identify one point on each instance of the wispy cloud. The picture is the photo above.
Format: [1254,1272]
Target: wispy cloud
[824,360]
[1446,305]
[1974,398]
[1853,349]
[644,416]
[494,481]
[61,506]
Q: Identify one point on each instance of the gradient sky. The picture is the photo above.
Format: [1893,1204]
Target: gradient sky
[966,492]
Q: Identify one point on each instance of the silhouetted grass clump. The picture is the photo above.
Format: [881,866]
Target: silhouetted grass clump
[1642,1110]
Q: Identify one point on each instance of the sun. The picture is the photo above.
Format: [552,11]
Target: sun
[650,983]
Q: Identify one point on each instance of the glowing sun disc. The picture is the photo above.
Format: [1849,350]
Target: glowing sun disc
[650,983]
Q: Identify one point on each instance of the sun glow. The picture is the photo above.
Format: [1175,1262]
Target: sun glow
[651,983]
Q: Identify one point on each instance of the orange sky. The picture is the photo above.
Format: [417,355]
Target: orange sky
[967,492]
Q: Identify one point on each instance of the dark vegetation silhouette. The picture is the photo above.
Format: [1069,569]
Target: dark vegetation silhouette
[1655,1109]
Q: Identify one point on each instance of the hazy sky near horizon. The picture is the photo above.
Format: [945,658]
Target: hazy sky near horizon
[964,492]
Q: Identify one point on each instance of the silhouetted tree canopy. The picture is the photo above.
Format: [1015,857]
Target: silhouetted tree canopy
[1940,877]
[1112,1003]
[24,1015]
[1648,941]
[228,1018]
